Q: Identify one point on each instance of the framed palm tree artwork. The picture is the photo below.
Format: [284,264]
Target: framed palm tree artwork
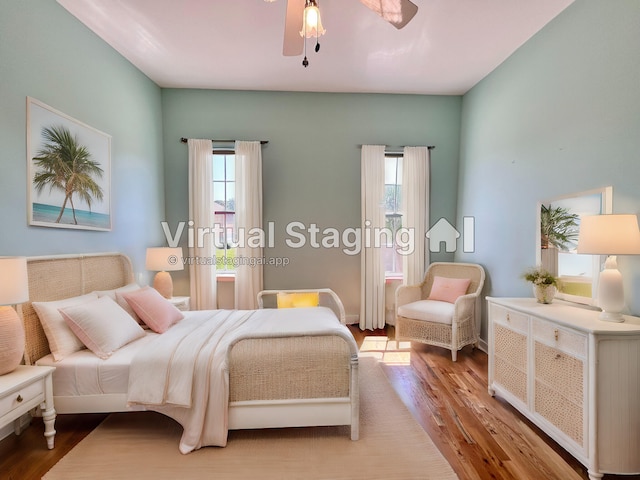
[69,171]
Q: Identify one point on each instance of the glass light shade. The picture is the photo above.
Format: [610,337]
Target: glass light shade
[164,259]
[14,284]
[609,235]
[312,23]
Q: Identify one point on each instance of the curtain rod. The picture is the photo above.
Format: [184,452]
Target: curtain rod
[429,147]
[262,142]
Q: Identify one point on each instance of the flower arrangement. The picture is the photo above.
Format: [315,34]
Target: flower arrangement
[544,284]
[540,276]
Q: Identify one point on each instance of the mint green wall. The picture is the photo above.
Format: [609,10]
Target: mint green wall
[47,54]
[311,166]
[561,115]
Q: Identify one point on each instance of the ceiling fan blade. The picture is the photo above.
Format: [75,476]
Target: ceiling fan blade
[397,12]
[293,41]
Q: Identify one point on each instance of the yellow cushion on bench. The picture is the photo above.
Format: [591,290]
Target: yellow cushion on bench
[297,300]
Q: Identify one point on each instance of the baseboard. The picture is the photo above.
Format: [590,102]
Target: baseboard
[7,430]
[482,345]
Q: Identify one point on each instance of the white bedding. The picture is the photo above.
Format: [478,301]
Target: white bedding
[83,373]
[184,372]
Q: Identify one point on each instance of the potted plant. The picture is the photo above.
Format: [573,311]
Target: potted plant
[544,284]
[558,227]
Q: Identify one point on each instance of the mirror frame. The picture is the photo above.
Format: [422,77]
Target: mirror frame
[606,203]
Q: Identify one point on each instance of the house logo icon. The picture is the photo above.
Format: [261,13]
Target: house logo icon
[442,232]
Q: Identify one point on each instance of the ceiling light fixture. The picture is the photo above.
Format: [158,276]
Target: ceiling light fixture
[311,26]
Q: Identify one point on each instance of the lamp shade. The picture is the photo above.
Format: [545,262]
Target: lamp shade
[14,285]
[311,23]
[609,235]
[164,259]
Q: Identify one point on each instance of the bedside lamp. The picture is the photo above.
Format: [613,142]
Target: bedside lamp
[164,260]
[610,235]
[14,289]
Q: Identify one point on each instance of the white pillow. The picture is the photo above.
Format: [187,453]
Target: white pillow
[62,341]
[115,294]
[102,325]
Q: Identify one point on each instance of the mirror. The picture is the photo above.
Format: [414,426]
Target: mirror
[557,237]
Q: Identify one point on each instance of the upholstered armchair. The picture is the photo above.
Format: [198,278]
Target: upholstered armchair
[444,310]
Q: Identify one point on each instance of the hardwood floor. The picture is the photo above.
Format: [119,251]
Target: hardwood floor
[482,437]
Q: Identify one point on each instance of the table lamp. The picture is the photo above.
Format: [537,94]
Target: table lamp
[14,289]
[610,235]
[164,260]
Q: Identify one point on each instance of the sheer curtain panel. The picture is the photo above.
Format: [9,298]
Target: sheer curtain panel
[415,209]
[202,274]
[248,280]
[372,313]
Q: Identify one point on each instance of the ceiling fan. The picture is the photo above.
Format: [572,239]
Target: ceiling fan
[397,12]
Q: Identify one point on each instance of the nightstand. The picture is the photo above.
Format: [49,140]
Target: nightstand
[25,388]
[181,303]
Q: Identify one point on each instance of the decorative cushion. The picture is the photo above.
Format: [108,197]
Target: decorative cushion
[62,341]
[154,310]
[448,289]
[102,325]
[116,295]
[297,300]
[428,311]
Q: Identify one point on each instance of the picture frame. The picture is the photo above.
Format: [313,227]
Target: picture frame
[68,171]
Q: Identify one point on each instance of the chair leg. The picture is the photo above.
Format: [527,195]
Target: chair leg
[454,355]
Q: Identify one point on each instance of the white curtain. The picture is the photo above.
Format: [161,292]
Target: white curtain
[372,313]
[202,274]
[248,281]
[415,210]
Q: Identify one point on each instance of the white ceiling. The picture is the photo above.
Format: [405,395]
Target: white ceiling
[447,48]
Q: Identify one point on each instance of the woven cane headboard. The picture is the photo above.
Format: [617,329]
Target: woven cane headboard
[64,276]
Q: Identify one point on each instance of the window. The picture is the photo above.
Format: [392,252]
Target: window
[393,216]
[224,194]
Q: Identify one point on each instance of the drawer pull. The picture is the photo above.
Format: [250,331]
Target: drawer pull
[508,318]
[19,399]
[558,356]
[556,334]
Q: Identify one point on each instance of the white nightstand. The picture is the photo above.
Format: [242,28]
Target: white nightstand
[181,303]
[25,388]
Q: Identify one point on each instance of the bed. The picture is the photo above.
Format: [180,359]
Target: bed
[304,378]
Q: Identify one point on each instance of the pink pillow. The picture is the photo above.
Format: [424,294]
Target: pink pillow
[154,310]
[448,289]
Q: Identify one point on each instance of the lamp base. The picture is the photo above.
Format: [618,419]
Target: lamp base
[163,284]
[11,340]
[611,317]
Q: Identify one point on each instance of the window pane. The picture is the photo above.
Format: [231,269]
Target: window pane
[218,167]
[231,168]
[231,196]
[218,195]
[390,170]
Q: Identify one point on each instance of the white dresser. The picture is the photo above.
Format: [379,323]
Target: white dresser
[573,375]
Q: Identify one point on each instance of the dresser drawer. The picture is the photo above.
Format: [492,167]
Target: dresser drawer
[15,400]
[563,339]
[560,371]
[510,318]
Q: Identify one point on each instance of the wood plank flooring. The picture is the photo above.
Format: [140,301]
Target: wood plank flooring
[482,437]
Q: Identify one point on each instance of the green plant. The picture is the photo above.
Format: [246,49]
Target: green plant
[65,165]
[540,276]
[558,227]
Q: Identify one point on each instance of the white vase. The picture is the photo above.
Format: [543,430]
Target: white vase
[544,293]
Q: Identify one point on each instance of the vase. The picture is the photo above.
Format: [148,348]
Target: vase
[11,340]
[544,293]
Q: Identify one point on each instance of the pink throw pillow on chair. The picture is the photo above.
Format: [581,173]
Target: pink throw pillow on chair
[447,289]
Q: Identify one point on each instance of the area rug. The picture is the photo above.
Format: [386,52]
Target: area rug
[144,445]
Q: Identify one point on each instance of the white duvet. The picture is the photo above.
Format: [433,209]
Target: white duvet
[183,373]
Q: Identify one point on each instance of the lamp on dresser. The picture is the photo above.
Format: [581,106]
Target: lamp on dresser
[164,260]
[14,289]
[610,235]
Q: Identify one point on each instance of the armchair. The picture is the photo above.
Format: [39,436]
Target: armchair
[438,316]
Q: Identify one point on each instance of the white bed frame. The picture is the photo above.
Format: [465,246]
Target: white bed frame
[63,276]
